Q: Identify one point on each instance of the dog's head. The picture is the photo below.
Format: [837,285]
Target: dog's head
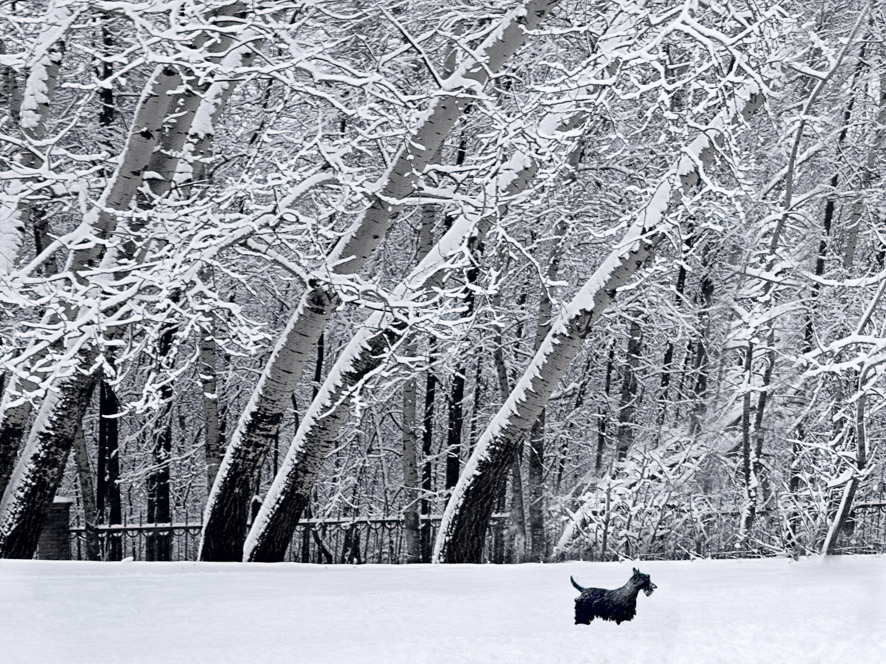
[643,582]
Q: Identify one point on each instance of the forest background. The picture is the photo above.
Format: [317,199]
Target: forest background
[605,274]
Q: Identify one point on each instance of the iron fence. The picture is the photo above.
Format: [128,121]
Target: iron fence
[331,541]
[694,532]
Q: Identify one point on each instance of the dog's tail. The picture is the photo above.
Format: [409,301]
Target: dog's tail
[577,587]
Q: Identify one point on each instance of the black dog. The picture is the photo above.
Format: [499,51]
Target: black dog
[619,604]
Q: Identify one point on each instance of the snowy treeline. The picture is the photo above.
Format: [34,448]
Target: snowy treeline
[600,265]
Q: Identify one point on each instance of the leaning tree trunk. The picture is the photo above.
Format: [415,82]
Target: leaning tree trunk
[227,507]
[39,471]
[39,91]
[463,528]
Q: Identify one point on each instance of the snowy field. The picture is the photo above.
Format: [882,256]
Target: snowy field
[703,611]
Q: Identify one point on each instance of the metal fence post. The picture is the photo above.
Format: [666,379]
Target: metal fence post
[55,542]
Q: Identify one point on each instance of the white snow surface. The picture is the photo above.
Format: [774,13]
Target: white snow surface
[773,610]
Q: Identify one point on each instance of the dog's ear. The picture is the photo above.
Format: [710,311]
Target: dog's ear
[636,571]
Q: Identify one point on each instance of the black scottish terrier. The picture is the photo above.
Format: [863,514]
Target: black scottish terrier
[618,605]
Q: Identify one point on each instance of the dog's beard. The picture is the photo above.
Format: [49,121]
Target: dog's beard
[649,590]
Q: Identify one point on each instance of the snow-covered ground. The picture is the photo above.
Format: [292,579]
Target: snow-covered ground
[703,611]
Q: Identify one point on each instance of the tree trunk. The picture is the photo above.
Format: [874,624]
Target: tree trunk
[212,438]
[39,471]
[749,485]
[87,496]
[455,424]
[427,438]
[158,544]
[109,507]
[536,474]
[411,525]
[629,392]
[603,412]
[845,508]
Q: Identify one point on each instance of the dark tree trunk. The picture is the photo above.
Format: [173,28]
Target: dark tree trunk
[108,504]
[87,496]
[629,392]
[748,486]
[455,426]
[603,412]
[427,469]
[537,544]
[411,519]
[158,544]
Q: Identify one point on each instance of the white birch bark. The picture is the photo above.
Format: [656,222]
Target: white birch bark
[39,91]
[37,96]
[226,510]
[463,527]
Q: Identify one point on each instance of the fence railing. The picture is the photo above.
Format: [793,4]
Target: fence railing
[329,541]
[382,540]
